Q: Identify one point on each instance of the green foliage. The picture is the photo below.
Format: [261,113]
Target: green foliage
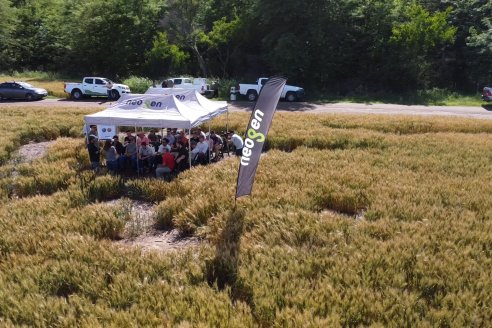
[138,84]
[164,58]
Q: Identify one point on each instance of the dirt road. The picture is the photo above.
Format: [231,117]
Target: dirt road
[484,112]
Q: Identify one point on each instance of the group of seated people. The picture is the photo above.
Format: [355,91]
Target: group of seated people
[163,154]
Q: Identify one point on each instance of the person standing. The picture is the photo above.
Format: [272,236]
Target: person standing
[111,156]
[109,85]
[93,153]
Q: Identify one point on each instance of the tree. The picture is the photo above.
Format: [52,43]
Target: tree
[220,40]
[7,22]
[185,23]
[416,40]
[164,58]
[112,37]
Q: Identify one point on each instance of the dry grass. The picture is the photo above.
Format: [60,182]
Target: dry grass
[296,256]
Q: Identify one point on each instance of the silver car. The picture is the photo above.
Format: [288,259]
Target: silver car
[21,90]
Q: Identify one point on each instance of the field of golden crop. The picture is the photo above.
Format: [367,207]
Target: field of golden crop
[354,221]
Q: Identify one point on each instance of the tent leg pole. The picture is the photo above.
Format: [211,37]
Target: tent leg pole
[189,146]
[138,168]
[208,141]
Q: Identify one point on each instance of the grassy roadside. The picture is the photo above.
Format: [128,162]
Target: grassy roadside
[353,221]
[53,83]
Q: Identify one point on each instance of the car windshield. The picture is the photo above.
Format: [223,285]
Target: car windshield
[25,85]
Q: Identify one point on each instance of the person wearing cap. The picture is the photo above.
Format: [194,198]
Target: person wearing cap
[145,156]
[167,165]
[141,137]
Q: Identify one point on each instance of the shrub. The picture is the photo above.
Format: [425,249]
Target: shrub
[105,188]
[138,84]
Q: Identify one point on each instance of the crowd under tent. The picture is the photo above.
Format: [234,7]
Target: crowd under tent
[159,111]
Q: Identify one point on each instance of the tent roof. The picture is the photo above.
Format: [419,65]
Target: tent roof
[156,111]
[191,98]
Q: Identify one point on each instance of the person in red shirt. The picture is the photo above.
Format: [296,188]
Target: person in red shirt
[163,170]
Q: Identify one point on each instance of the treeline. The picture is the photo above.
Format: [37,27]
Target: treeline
[328,45]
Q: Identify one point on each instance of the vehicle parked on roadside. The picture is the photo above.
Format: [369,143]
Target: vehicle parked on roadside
[95,86]
[21,90]
[251,91]
[487,94]
[200,84]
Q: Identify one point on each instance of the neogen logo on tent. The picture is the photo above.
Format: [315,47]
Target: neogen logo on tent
[253,136]
[153,104]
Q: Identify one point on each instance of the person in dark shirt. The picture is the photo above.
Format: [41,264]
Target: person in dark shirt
[93,153]
[120,149]
[182,162]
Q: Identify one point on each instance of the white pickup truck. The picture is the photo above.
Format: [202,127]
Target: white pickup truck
[251,91]
[199,84]
[95,86]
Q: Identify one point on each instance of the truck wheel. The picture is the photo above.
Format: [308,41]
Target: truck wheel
[252,95]
[115,95]
[290,97]
[76,94]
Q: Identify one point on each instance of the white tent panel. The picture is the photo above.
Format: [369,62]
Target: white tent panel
[150,111]
[192,98]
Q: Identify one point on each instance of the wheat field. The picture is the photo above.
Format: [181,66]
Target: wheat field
[354,221]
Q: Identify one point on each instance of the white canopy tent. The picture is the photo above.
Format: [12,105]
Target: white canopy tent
[158,111]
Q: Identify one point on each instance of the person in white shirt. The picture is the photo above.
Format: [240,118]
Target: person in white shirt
[238,143]
[200,152]
[164,144]
[145,157]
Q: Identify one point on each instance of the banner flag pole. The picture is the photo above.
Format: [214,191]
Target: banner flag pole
[256,133]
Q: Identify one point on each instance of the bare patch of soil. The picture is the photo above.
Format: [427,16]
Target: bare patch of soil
[162,241]
[140,231]
[32,151]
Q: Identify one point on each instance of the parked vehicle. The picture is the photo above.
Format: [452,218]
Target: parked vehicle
[199,84]
[487,94]
[95,86]
[21,90]
[251,91]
